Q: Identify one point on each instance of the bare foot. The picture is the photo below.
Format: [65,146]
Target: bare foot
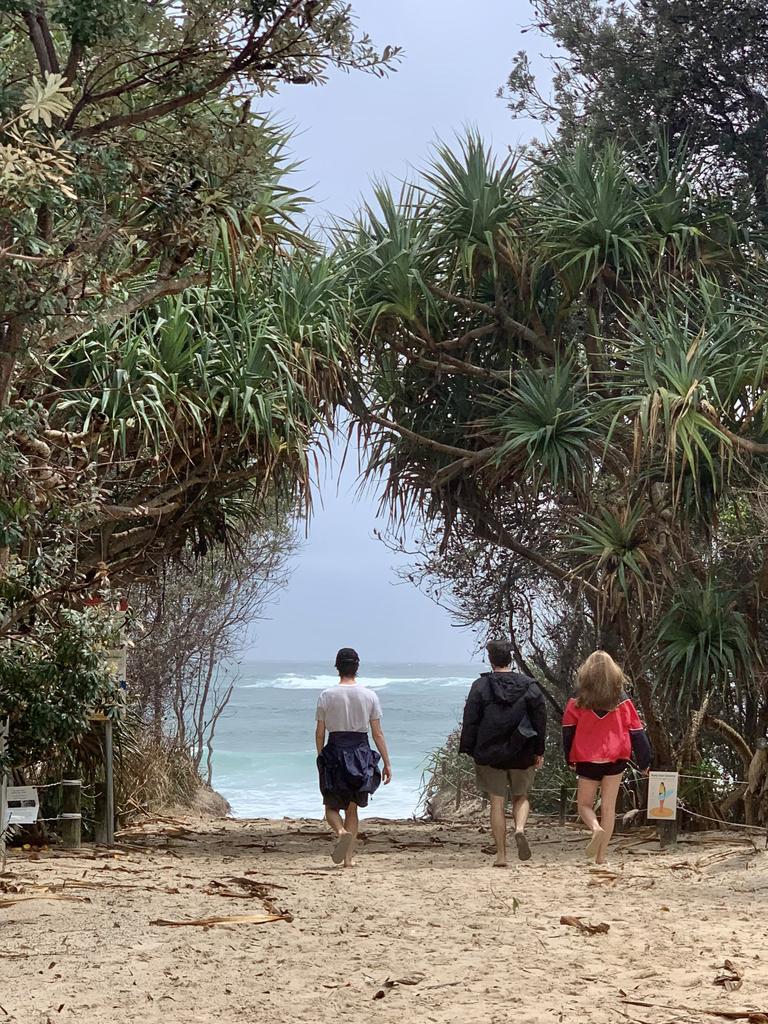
[523,849]
[342,847]
[349,861]
[500,863]
[595,843]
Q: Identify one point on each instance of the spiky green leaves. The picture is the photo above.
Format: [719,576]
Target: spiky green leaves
[705,645]
[548,417]
[616,547]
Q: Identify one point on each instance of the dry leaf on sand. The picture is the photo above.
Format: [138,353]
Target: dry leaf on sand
[732,978]
[409,979]
[583,926]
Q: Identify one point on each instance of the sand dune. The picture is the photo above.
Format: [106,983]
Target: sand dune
[423,909]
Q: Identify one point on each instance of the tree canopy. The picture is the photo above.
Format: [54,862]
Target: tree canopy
[694,72]
[566,360]
[167,355]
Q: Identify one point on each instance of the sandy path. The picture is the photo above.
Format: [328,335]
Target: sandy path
[488,944]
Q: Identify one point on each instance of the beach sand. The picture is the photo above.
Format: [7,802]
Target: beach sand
[424,907]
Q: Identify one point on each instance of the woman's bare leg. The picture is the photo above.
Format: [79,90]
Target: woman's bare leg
[585,798]
[609,792]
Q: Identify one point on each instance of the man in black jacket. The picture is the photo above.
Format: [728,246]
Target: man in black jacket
[504,731]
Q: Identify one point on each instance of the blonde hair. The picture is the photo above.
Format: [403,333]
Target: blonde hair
[599,683]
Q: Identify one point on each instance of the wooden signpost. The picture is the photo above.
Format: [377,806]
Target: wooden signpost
[116,660]
[71,819]
[105,798]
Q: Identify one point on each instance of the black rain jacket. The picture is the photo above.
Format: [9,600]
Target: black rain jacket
[505,721]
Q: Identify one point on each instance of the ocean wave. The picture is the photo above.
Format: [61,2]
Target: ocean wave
[291,681]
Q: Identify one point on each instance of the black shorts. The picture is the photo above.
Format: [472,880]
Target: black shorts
[341,801]
[595,770]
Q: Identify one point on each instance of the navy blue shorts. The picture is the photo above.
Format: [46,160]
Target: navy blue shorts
[348,769]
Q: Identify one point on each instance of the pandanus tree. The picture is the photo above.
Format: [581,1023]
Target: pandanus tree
[563,365]
[179,429]
[166,355]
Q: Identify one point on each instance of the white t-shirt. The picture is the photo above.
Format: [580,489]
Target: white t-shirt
[348,708]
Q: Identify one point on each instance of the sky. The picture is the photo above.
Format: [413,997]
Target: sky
[344,590]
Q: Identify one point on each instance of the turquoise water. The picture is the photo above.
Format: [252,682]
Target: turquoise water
[264,761]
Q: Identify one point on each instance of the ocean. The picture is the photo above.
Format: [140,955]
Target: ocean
[264,749]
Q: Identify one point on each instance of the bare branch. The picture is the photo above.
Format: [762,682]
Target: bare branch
[540,343]
[496,534]
[246,59]
[161,288]
[438,446]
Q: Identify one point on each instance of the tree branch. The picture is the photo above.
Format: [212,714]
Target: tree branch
[76,52]
[459,343]
[161,288]
[496,534]
[244,60]
[734,738]
[520,659]
[438,446]
[541,344]
[45,31]
[37,39]
[744,443]
[10,346]
[449,364]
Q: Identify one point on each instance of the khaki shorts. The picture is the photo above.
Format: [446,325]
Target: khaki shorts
[496,781]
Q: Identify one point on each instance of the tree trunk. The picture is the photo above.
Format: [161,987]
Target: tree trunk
[657,730]
[11,336]
[756,797]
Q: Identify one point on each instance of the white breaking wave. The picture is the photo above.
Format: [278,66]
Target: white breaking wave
[291,681]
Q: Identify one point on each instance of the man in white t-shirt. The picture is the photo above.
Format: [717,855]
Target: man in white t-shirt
[349,769]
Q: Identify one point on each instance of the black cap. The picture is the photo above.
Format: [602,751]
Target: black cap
[347,656]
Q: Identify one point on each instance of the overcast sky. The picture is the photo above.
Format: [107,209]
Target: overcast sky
[344,590]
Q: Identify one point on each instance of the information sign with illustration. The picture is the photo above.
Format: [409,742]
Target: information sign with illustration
[662,795]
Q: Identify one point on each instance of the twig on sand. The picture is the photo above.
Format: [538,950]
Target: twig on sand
[638,1020]
[443,984]
[752,1016]
[44,896]
[209,922]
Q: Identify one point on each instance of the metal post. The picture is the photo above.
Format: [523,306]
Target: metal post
[109,781]
[70,819]
[4,728]
[563,804]
[100,814]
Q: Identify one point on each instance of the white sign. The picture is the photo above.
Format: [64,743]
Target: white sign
[22,805]
[117,663]
[662,796]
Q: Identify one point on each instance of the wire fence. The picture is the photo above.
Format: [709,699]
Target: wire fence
[464,783]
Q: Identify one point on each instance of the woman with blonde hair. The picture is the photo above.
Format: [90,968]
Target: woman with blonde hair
[601,731]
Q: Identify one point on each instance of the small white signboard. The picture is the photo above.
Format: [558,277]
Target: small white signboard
[23,806]
[662,796]
[117,663]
